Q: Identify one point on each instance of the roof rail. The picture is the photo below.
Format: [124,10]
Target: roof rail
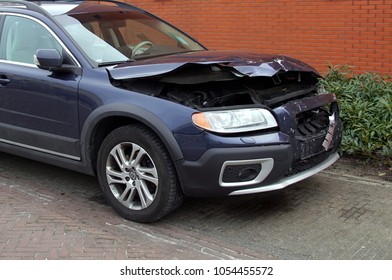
[27,4]
[33,7]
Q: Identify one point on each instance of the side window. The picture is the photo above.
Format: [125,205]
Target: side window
[22,37]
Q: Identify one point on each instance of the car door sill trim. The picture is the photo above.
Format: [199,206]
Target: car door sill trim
[39,149]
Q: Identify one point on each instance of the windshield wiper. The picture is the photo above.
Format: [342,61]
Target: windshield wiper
[110,63]
[148,56]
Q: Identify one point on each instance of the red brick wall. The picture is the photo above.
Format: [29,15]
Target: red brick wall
[352,32]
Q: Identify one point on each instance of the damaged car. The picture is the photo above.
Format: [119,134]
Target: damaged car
[110,90]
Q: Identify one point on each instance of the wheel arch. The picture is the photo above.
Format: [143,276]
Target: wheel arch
[107,118]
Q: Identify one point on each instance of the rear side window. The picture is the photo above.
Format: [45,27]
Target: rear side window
[22,37]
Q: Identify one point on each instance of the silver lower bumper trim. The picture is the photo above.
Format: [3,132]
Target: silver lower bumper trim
[290,180]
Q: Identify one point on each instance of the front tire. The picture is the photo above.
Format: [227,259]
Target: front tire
[137,175]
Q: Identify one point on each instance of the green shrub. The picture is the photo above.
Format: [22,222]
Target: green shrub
[366,109]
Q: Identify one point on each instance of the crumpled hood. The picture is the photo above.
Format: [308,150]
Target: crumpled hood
[241,63]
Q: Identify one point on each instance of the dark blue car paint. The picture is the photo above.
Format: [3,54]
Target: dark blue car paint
[242,63]
[73,110]
[36,105]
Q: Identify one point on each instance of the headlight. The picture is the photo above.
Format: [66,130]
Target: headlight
[233,121]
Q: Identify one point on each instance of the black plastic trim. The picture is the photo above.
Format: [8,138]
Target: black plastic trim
[132,112]
[210,165]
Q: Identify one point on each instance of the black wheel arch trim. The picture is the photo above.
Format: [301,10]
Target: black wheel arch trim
[130,111]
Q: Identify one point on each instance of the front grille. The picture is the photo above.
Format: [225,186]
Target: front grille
[312,122]
[311,131]
[312,127]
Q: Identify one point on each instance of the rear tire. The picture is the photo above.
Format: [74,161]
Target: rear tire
[137,175]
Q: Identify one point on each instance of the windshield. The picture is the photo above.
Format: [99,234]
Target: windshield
[115,35]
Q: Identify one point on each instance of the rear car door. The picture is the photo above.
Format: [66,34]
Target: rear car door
[38,108]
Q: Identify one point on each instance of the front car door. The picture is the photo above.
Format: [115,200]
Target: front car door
[38,108]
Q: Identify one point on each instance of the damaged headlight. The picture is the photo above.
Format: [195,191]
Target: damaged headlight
[234,121]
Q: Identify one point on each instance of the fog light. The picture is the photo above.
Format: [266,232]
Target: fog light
[237,173]
[248,174]
[241,173]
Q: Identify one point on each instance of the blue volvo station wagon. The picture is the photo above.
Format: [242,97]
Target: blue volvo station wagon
[107,89]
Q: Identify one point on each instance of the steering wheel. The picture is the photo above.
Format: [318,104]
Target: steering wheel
[139,45]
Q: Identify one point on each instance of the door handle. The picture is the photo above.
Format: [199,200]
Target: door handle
[4,80]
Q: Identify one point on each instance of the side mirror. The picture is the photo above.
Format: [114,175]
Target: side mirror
[48,59]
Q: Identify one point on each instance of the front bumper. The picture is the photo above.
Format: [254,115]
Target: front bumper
[207,176]
[307,143]
[287,181]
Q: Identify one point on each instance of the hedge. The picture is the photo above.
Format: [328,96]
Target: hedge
[366,110]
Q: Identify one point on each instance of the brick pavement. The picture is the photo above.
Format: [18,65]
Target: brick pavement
[51,213]
[40,221]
